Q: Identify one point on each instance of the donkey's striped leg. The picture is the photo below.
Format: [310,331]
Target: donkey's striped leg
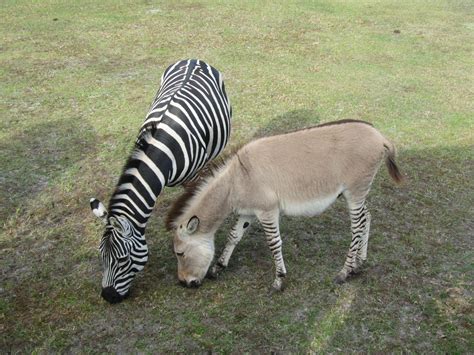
[234,237]
[362,254]
[360,223]
[270,224]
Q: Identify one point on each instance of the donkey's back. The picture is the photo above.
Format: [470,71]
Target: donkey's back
[306,170]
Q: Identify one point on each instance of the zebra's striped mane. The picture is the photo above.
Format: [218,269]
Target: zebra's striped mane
[192,187]
[137,147]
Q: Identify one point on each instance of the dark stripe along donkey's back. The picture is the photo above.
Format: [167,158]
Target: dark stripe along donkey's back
[187,126]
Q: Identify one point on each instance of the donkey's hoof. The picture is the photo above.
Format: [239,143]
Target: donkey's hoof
[277,286]
[273,291]
[211,275]
[214,271]
[356,270]
[340,278]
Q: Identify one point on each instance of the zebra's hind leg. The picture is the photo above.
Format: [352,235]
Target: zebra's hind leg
[360,226]
[270,224]
[234,237]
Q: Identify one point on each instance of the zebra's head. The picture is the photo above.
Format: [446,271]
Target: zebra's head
[123,252]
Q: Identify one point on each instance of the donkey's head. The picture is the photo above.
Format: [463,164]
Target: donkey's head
[123,252]
[194,250]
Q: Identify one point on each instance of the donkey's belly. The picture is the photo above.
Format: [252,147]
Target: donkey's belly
[308,207]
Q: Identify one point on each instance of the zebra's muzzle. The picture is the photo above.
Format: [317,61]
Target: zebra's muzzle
[112,296]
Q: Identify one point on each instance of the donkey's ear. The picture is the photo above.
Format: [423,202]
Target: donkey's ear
[192,225]
[99,209]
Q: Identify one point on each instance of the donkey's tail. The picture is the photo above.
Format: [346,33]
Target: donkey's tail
[390,162]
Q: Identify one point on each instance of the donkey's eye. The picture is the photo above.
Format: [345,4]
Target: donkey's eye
[180,254]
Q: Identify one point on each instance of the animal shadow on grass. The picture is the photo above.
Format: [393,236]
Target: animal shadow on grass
[33,158]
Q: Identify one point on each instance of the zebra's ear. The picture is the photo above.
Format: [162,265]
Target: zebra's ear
[98,209]
[192,225]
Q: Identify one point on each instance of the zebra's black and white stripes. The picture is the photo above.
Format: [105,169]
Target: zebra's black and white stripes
[187,126]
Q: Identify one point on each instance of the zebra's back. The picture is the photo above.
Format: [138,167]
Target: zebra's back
[192,113]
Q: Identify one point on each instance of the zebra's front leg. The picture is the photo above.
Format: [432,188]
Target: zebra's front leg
[234,237]
[360,226]
[270,224]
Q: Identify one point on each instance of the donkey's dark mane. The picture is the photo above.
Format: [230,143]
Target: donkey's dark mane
[193,186]
[347,120]
[325,124]
[180,203]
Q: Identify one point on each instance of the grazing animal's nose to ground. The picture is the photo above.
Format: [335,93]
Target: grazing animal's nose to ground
[194,284]
[111,295]
[190,284]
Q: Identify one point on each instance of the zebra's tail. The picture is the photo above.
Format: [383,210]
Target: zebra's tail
[392,167]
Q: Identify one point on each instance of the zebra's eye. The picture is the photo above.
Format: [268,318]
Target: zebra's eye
[179,254]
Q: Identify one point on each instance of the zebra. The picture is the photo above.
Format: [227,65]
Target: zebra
[188,125]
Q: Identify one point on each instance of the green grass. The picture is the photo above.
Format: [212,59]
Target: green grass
[77,80]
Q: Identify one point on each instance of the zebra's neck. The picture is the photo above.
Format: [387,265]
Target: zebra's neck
[144,176]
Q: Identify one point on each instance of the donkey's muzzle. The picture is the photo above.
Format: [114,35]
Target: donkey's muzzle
[112,296]
[194,284]
[190,284]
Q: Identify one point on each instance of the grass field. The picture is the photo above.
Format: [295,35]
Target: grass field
[77,79]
